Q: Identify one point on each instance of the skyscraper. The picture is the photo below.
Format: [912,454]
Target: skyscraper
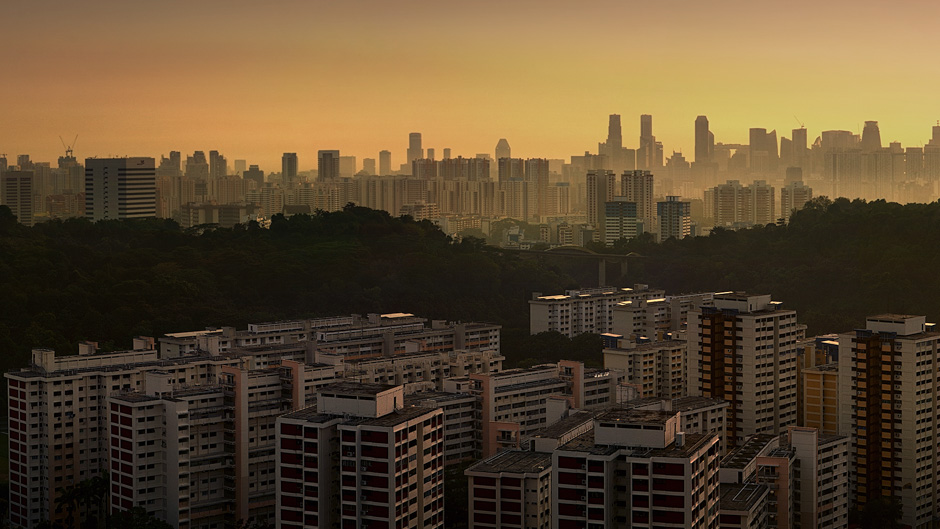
[415,152]
[368,166]
[614,132]
[502,149]
[646,155]
[289,167]
[446,153]
[120,188]
[871,137]
[197,167]
[763,150]
[385,163]
[327,165]
[702,144]
[218,165]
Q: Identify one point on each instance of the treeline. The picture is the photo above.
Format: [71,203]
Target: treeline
[836,262]
[62,282]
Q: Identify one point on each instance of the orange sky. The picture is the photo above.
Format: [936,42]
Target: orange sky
[253,81]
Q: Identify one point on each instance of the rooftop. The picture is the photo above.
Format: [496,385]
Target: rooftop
[514,462]
[436,396]
[824,367]
[742,455]
[565,425]
[634,416]
[392,419]
[585,443]
[741,496]
[356,388]
[135,397]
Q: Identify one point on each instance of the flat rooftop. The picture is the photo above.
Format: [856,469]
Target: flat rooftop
[356,388]
[514,462]
[391,419]
[436,396]
[585,443]
[742,455]
[741,497]
[565,425]
[633,416]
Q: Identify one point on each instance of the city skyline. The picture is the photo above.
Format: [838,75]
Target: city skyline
[141,80]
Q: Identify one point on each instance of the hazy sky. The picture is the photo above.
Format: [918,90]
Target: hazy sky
[255,79]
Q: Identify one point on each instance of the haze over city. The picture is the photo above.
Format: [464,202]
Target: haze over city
[469,265]
[292,76]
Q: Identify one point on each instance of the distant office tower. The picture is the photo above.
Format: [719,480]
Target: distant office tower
[3,164]
[703,140]
[218,165]
[197,166]
[120,188]
[744,350]
[871,137]
[430,154]
[601,188]
[240,166]
[763,150]
[347,166]
[16,192]
[793,197]
[289,167]
[502,149]
[23,162]
[446,153]
[385,163]
[536,174]
[637,186]
[360,458]
[888,374]
[415,151]
[800,146]
[675,218]
[617,157]
[650,154]
[253,173]
[171,166]
[327,165]
[368,166]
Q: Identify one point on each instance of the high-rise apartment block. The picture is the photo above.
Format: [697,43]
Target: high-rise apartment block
[675,218]
[601,188]
[120,188]
[793,197]
[360,458]
[518,402]
[654,369]
[511,490]
[583,311]
[635,469]
[733,205]
[744,350]
[16,192]
[637,186]
[888,372]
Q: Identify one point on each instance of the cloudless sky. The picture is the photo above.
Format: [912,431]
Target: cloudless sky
[255,79]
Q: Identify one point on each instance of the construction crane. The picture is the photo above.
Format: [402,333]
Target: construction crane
[68,148]
[802,126]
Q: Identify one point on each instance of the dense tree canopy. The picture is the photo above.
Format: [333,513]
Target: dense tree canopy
[66,281]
